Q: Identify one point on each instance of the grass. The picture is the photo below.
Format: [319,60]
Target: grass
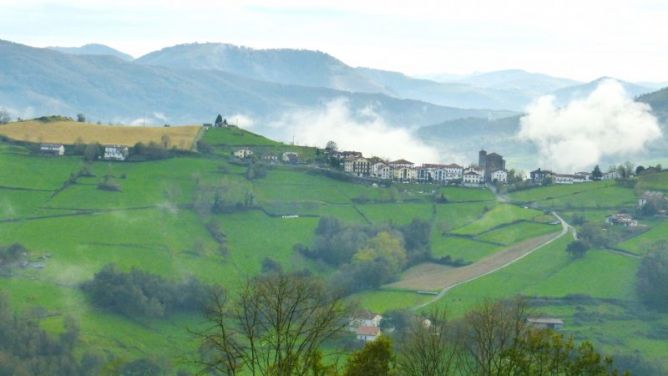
[69,132]
[462,248]
[499,215]
[515,233]
[642,244]
[150,224]
[382,301]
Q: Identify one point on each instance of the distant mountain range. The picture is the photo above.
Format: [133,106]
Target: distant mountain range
[36,81]
[193,82]
[93,49]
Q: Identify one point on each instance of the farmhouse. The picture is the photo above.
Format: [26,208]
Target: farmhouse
[290,157]
[52,149]
[538,176]
[243,153]
[622,219]
[115,152]
[582,177]
[546,323]
[367,333]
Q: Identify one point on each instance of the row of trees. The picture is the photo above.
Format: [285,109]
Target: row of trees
[138,293]
[279,323]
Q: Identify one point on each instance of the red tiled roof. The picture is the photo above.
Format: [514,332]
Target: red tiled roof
[368,331]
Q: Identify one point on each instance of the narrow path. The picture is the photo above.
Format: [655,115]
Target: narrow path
[495,262]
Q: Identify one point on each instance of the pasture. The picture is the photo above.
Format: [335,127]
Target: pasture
[69,133]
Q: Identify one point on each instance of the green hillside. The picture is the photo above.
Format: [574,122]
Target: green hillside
[158,221]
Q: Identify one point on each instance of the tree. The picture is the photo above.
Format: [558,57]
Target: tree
[92,152]
[596,174]
[640,170]
[428,348]
[4,116]
[489,332]
[81,118]
[331,146]
[385,246]
[375,358]
[652,278]
[219,121]
[275,326]
[577,248]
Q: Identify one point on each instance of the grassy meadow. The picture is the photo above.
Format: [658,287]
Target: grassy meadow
[153,223]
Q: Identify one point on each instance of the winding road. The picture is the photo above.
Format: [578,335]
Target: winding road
[491,264]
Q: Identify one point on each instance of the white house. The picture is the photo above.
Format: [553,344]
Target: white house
[381,171]
[243,153]
[53,149]
[611,175]
[453,171]
[546,323]
[582,177]
[563,179]
[367,333]
[472,178]
[357,166]
[290,157]
[115,152]
[499,176]
[403,170]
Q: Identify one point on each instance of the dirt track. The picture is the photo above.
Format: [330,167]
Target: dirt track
[444,281]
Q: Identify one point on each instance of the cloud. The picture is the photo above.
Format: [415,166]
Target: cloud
[242,121]
[606,124]
[363,131]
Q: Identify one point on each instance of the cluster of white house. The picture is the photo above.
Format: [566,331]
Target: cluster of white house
[286,157]
[539,176]
[366,326]
[111,152]
[490,168]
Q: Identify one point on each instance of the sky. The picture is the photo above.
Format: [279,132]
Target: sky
[578,39]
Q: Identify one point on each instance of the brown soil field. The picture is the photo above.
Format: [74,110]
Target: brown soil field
[69,132]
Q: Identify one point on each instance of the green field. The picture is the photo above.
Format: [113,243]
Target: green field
[154,223]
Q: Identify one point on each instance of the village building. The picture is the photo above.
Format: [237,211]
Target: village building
[52,149]
[341,155]
[381,170]
[622,219]
[546,323]
[358,166]
[367,333]
[472,178]
[499,176]
[453,171]
[290,157]
[489,163]
[538,176]
[243,153]
[582,177]
[115,152]
[563,179]
[270,158]
[610,175]
[403,170]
